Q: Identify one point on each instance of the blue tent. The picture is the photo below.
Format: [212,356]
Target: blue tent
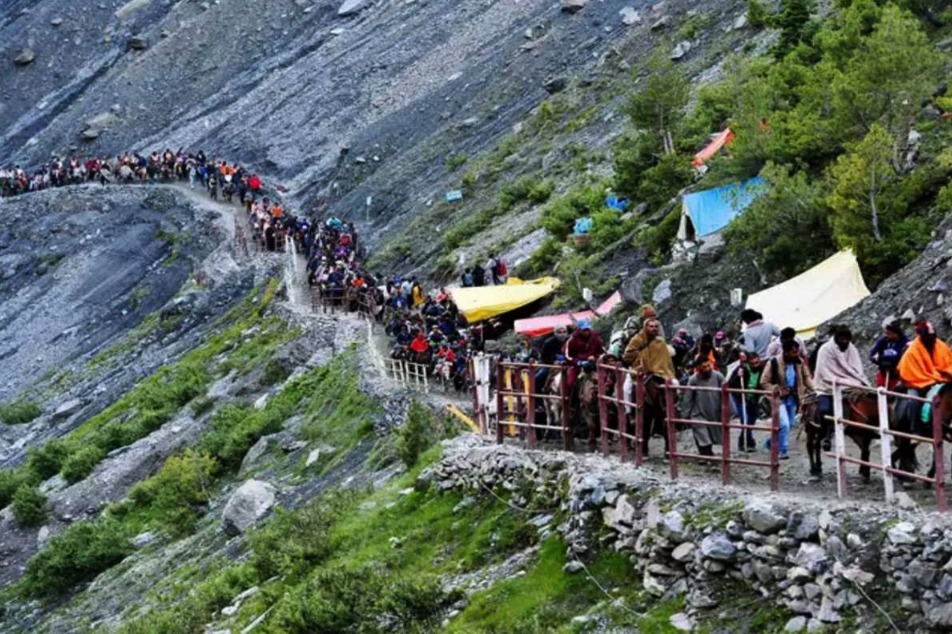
[707,212]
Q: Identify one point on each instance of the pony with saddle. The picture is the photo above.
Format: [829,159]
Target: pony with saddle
[913,417]
[859,407]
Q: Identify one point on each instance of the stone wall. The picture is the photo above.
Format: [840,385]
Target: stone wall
[828,563]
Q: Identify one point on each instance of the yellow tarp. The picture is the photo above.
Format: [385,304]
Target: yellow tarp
[813,297]
[486,302]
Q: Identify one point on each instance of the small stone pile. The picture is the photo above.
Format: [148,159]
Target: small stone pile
[819,561]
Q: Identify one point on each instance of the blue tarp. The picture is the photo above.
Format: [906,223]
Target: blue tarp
[583,226]
[616,203]
[454,196]
[712,210]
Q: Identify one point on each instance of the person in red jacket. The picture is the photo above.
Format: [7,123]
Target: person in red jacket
[584,345]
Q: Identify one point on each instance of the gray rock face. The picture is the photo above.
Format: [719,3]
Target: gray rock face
[246,506]
[352,7]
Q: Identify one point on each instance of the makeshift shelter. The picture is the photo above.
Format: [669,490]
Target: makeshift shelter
[717,142]
[707,212]
[484,302]
[540,326]
[813,297]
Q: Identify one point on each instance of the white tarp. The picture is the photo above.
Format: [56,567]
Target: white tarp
[813,297]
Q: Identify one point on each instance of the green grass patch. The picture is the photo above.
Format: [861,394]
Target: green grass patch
[19,412]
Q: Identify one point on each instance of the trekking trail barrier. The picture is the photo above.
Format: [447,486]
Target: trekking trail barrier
[480,369]
[621,416]
[671,393]
[886,436]
[516,399]
[413,375]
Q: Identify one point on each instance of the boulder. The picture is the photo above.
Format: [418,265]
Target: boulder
[553,85]
[246,506]
[67,409]
[671,527]
[25,58]
[684,552]
[352,7]
[630,16]
[763,518]
[682,49]
[56,21]
[902,533]
[573,6]
[144,539]
[718,547]
[662,292]
[137,43]
[796,624]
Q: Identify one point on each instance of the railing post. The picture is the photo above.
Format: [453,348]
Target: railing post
[641,441]
[500,408]
[885,442]
[938,458]
[568,428]
[669,396]
[531,401]
[725,435]
[775,406]
[621,415]
[839,439]
[603,408]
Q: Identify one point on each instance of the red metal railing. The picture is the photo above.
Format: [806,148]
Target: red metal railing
[725,425]
[516,400]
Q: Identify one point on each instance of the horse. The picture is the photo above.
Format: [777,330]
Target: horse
[908,420]
[858,407]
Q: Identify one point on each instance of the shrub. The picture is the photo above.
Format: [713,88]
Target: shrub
[274,373]
[455,162]
[531,188]
[76,556]
[10,481]
[295,542]
[416,435]
[29,506]
[46,461]
[81,463]
[560,215]
[178,491]
[657,240]
[19,412]
[758,15]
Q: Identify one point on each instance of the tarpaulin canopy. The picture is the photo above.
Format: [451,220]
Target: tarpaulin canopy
[484,302]
[539,326]
[717,142]
[813,297]
[707,212]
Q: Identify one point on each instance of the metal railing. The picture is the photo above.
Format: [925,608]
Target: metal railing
[886,434]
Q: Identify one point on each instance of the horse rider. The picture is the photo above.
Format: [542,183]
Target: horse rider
[648,353]
[583,345]
[927,362]
[837,361]
[886,354]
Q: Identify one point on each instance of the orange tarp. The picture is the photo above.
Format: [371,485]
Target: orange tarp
[720,140]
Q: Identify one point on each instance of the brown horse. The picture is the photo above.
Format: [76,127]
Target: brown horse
[858,407]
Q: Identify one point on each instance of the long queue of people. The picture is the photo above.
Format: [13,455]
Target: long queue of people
[228,180]
[760,357]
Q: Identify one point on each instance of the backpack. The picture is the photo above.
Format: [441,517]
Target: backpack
[501,269]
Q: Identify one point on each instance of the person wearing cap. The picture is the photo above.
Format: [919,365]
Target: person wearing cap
[647,352]
[837,361]
[886,354]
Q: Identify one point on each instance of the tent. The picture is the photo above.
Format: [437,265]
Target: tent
[539,326]
[707,212]
[813,297]
[718,141]
[485,302]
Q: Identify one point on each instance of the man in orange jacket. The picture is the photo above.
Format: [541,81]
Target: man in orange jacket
[927,361]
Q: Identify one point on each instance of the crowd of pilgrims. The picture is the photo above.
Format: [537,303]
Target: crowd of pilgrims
[218,176]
